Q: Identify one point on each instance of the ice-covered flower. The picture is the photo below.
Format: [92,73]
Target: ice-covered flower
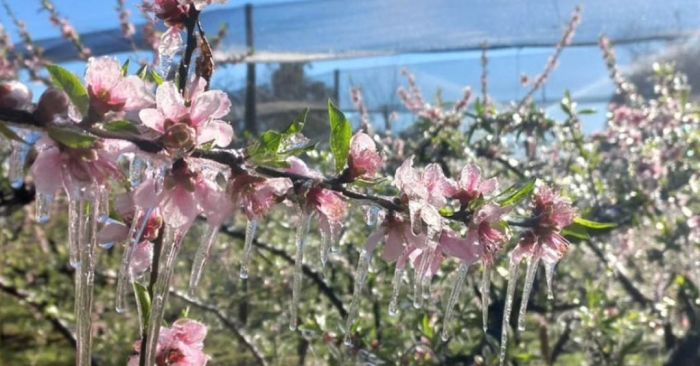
[363,161]
[330,207]
[55,107]
[172,12]
[15,95]
[471,185]
[551,214]
[192,122]
[180,345]
[109,90]
[425,192]
[483,232]
[185,194]
[59,167]
[256,195]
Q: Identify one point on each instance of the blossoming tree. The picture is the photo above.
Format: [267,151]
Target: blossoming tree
[143,160]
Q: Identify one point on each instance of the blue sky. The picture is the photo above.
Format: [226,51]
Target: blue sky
[581,69]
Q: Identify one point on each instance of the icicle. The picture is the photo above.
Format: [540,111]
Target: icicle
[371,216]
[452,301]
[42,208]
[85,278]
[396,284]
[485,296]
[512,282]
[138,225]
[76,216]
[527,288]
[302,231]
[360,279]
[250,229]
[136,171]
[103,194]
[329,243]
[549,276]
[18,158]
[139,309]
[422,280]
[172,242]
[200,258]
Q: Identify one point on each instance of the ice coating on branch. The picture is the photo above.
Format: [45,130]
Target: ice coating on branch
[180,345]
[364,161]
[109,90]
[189,122]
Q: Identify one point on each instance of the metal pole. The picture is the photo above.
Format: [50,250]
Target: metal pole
[336,87]
[250,115]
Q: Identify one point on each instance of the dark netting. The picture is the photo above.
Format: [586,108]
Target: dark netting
[323,29]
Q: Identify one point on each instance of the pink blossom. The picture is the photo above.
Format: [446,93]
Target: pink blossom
[59,167]
[172,12]
[111,91]
[15,95]
[550,215]
[482,231]
[330,207]
[471,185]
[180,345]
[424,191]
[188,123]
[364,161]
[298,167]
[257,195]
[185,194]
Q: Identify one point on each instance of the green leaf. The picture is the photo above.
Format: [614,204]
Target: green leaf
[120,126]
[143,300]
[73,139]
[341,133]
[426,327]
[587,111]
[593,225]
[576,231]
[142,72]
[125,67]
[297,123]
[71,85]
[514,194]
[154,76]
[11,135]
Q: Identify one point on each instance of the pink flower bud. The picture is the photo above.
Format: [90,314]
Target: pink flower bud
[52,104]
[14,94]
[364,160]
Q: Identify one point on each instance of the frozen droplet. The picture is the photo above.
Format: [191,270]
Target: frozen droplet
[250,230]
[300,239]
[42,208]
[172,242]
[527,288]
[137,170]
[201,256]
[360,279]
[452,300]
[396,291]
[510,292]
[485,296]
[371,215]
